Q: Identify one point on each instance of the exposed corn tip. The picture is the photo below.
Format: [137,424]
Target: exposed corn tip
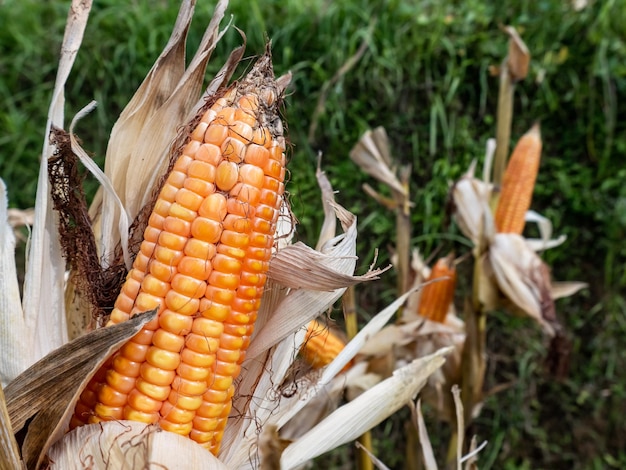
[203,264]
[321,346]
[518,183]
[436,297]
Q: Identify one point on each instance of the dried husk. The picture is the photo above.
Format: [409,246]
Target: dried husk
[364,412]
[60,375]
[129,445]
[371,153]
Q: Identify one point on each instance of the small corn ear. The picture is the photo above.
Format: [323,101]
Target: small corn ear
[321,345]
[518,183]
[437,296]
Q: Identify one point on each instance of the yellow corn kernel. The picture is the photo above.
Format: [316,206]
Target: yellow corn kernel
[226,175]
[189,387]
[518,183]
[157,375]
[155,392]
[183,428]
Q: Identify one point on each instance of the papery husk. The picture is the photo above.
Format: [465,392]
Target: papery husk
[145,131]
[17,353]
[43,304]
[302,392]
[363,413]
[32,328]
[149,130]
[371,153]
[303,305]
[523,278]
[275,343]
[129,444]
[471,201]
[430,463]
[9,451]
[46,393]
[518,58]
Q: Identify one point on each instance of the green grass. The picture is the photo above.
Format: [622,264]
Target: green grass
[425,77]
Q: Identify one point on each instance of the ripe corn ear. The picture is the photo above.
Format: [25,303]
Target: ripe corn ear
[203,264]
[321,346]
[436,297]
[518,183]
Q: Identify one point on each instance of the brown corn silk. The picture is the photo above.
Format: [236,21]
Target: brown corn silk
[518,183]
[202,263]
[437,296]
[321,346]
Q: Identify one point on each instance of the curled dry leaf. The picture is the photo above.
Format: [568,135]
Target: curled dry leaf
[518,58]
[61,374]
[430,463]
[523,277]
[371,153]
[471,196]
[298,266]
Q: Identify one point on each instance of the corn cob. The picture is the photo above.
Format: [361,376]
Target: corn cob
[436,297]
[203,264]
[321,345]
[518,183]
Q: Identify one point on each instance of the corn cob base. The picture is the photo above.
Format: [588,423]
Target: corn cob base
[203,264]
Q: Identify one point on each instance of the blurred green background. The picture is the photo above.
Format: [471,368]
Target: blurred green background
[424,76]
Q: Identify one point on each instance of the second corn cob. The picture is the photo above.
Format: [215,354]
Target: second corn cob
[518,183]
[321,346]
[203,264]
[436,297]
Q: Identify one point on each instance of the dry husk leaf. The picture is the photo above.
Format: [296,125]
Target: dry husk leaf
[518,58]
[523,278]
[371,153]
[365,412]
[9,450]
[61,374]
[129,445]
[471,200]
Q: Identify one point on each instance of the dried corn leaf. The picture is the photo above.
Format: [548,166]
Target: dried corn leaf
[363,413]
[17,354]
[9,451]
[430,463]
[371,153]
[518,58]
[31,330]
[61,374]
[160,106]
[523,277]
[329,226]
[257,394]
[300,306]
[298,266]
[471,197]
[126,445]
